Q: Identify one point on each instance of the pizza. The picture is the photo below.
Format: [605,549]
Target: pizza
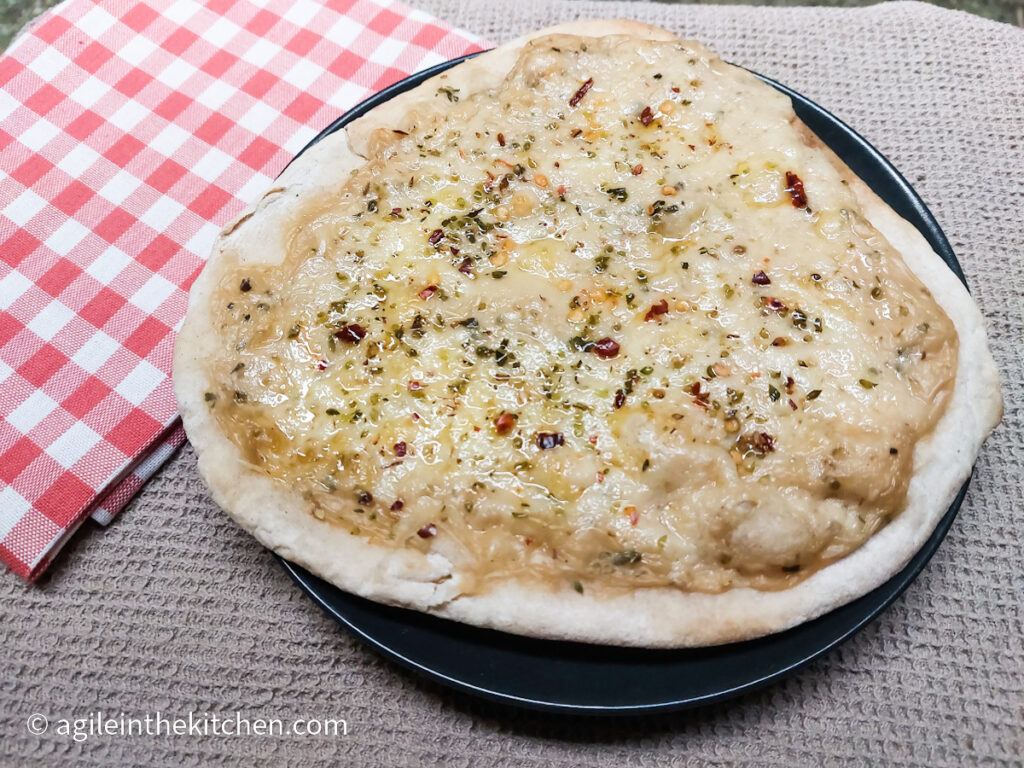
[587,338]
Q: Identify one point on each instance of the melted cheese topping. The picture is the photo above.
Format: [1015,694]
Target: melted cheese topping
[611,321]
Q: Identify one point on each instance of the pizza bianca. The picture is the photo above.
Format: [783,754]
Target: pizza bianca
[587,338]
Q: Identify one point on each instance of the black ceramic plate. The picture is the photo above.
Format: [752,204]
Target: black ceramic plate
[579,678]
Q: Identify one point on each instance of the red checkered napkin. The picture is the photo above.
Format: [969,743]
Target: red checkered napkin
[130,132]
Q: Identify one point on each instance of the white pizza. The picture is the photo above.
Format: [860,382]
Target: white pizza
[585,338]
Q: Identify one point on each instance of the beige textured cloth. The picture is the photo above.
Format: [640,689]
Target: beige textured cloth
[175,609]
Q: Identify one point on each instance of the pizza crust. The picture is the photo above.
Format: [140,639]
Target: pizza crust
[653,617]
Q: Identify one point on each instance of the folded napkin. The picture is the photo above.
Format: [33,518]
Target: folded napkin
[129,134]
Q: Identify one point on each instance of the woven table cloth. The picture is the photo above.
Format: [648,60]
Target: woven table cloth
[173,609]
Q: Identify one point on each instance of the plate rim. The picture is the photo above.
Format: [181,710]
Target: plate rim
[894,587]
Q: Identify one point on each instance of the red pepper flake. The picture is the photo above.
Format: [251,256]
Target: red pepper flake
[397,505]
[435,236]
[561,192]
[501,139]
[396,211]
[758,442]
[700,398]
[578,96]
[795,187]
[620,399]
[647,116]
[321,365]
[790,385]
[414,386]
[760,278]
[638,169]
[401,449]
[505,423]
[772,303]
[466,267]
[606,348]
[547,440]
[428,531]
[656,310]
[633,514]
[792,404]
[352,334]
[427,292]
[593,439]
[779,341]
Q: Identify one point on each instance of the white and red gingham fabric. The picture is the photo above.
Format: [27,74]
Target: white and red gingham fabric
[130,132]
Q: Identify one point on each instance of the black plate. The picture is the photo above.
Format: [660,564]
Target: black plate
[579,678]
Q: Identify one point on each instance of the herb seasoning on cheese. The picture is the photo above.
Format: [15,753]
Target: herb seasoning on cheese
[612,318]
